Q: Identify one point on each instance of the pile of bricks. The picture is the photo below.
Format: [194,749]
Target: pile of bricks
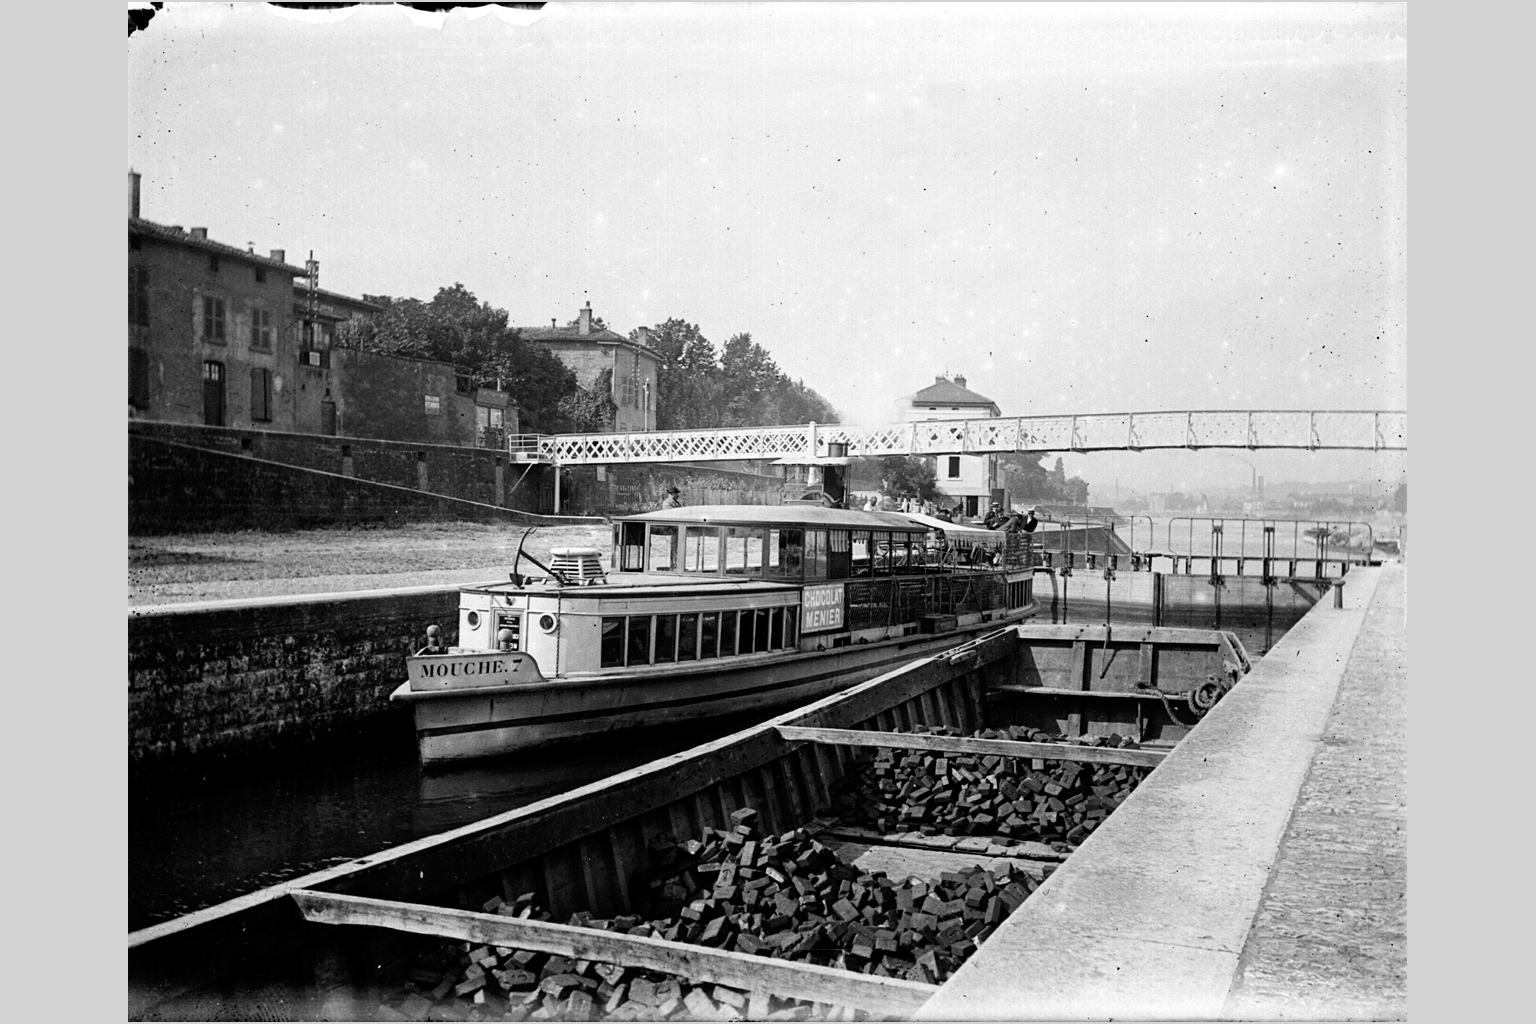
[1013,799]
[785,896]
[791,897]
[463,982]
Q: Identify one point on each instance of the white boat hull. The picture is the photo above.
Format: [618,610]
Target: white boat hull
[492,720]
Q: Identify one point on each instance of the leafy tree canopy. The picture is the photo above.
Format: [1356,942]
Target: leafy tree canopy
[1028,480]
[740,386]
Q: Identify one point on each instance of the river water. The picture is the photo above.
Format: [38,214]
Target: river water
[194,841]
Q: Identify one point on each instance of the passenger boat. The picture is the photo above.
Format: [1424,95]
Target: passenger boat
[333,945]
[707,611]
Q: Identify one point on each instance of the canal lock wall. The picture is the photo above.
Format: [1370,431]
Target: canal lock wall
[220,681]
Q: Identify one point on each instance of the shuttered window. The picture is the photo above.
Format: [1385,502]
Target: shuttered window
[138,295]
[261,394]
[213,319]
[261,329]
[138,378]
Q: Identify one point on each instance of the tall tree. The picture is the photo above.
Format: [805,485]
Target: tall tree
[749,383]
[687,379]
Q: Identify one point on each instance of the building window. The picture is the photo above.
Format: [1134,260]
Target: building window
[213,263]
[213,394]
[138,378]
[213,320]
[138,295]
[954,467]
[261,394]
[261,329]
[261,275]
[434,407]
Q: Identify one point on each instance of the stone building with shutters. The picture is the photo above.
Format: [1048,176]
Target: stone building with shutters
[226,337]
[589,350]
[209,337]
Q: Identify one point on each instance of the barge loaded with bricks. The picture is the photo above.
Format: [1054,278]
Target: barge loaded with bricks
[839,861]
[708,611]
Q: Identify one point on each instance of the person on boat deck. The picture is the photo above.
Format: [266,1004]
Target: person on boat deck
[1027,523]
[871,505]
[886,505]
[672,500]
[995,517]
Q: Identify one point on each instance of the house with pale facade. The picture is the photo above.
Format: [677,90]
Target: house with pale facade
[589,350]
[966,480]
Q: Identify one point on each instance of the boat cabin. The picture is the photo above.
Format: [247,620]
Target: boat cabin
[803,543]
[730,583]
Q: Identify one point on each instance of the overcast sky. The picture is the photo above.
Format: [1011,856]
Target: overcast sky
[1080,209]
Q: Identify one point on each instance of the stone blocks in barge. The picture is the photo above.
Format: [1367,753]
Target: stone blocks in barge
[326,945]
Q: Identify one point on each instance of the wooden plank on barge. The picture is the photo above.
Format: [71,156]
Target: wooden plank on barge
[1058,691]
[970,745]
[1025,849]
[900,862]
[700,964]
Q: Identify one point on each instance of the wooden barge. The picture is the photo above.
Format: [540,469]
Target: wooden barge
[331,944]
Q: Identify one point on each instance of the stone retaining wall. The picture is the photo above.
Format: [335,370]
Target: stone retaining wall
[230,678]
[177,488]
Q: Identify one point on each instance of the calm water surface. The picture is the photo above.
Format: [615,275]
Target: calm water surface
[197,841]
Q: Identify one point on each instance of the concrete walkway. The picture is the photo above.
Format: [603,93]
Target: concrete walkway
[1259,872]
[1331,937]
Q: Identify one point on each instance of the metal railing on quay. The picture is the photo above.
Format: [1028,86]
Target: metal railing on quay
[1327,547]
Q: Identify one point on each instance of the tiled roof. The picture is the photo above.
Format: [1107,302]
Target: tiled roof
[947,392]
[150,229]
[301,291]
[602,335]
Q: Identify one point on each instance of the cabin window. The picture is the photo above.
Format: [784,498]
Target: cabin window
[839,562]
[791,619]
[709,635]
[745,632]
[816,554]
[880,546]
[666,638]
[701,549]
[728,633]
[775,629]
[861,555]
[612,643]
[663,549]
[743,550]
[688,637]
[786,553]
[638,647]
[760,630]
[631,541]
